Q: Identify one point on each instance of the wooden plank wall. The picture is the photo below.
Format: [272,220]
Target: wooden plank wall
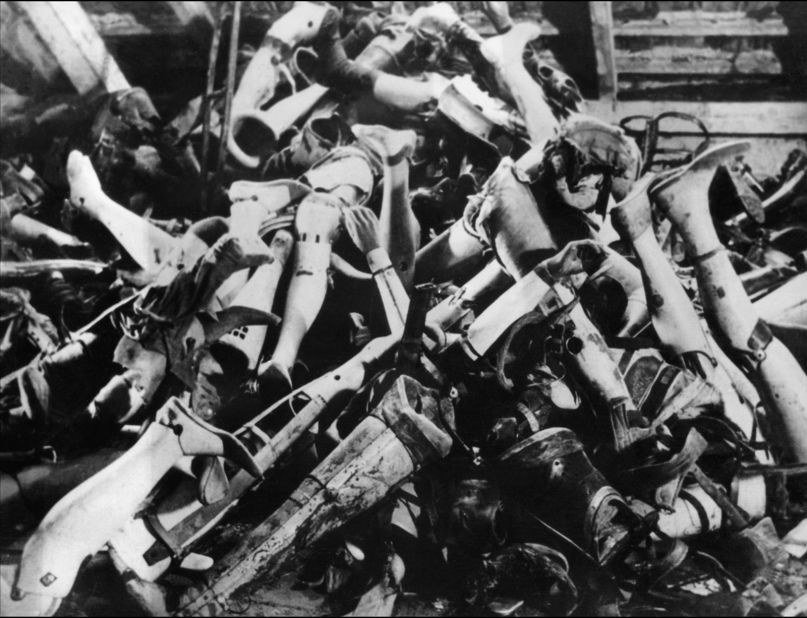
[627,53]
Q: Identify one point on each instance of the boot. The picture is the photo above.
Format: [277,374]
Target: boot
[683,197]
[394,442]
[674,318]
[551,469]
[86,518]
[148,245]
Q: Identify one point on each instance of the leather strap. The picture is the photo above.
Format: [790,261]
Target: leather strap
[689,360]
[759,340]
[703,516]
[705,256]
[167,546]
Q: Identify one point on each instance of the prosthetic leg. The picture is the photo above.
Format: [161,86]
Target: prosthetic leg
[673,316]
[223,366]
[505,52]
[508,218]
[596,369]
[400,231]
[146,358]
[229,359]
[73,530]
[28,231]
[317,221]
[182,514]
[453,253]
[683,197]
[404,433]
[300,25]
[147,244]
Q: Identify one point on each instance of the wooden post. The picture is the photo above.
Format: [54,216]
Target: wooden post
[602,32]
[72,39]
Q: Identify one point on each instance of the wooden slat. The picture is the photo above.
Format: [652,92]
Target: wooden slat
[762,118]
[602,31]
[21,42]
[700,23]
[696,61]
[70,36]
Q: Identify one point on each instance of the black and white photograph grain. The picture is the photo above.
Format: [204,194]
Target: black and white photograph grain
[403,309]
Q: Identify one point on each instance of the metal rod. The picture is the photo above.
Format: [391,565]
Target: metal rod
[207,104]
[228,99]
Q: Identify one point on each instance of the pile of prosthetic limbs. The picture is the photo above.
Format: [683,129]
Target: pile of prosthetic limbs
[430,338]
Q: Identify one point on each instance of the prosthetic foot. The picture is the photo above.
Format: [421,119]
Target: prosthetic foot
[148,245]
[683,197]
[86,518]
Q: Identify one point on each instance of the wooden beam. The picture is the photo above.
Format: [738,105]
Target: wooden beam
[186,12]
[733,119]
[69,35]
[21,42]
[602,31]
[702,23]
[666,60]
